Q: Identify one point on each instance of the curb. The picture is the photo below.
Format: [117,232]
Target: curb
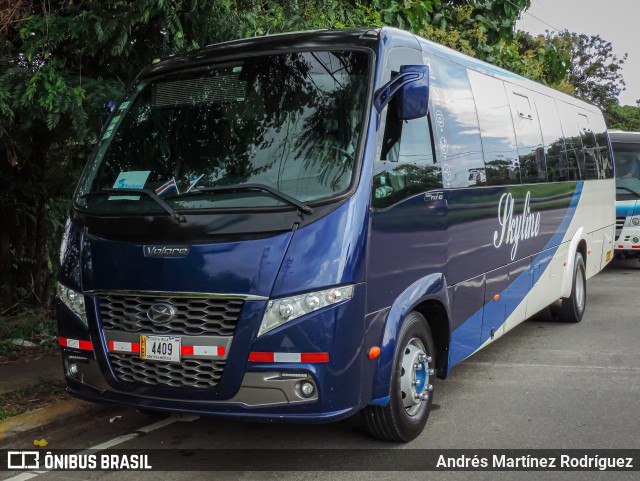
[39,421]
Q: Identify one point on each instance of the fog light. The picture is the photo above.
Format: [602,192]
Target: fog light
[636,240]
[307,389]
[73,369]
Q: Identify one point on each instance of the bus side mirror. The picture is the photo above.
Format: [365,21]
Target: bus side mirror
[413,100]
[412,87]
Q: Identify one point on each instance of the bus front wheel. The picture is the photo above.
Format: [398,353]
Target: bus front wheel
[572,307]
[411,395]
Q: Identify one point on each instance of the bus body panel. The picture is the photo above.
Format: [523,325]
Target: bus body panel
[249,267]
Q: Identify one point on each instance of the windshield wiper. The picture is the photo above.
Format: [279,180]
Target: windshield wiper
[149,193]
[628,190]
[243,187]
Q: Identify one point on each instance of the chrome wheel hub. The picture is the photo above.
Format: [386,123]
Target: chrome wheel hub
[415,376]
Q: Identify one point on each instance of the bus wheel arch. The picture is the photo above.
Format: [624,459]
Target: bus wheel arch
[437,319]
[582,249]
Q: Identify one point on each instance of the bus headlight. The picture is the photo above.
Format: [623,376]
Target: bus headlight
[281,311]
[635,221]
[73,300]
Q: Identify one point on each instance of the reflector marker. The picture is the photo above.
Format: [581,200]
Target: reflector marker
[217,351]
[289,357]
[75,344]
[124,346]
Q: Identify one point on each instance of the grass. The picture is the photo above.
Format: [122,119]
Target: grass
[32,397]
[36,326]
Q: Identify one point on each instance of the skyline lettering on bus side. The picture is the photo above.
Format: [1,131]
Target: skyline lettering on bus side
[514,228]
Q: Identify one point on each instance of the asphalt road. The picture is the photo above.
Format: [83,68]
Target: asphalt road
[543,385]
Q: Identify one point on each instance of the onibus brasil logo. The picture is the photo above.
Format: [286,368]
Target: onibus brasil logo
[515,227]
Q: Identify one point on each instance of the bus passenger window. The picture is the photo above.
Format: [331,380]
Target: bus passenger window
[528,135]
[496,129]
[591,158]
[604,154]
[406,166]
[551,137]
[574,153]
[454,125]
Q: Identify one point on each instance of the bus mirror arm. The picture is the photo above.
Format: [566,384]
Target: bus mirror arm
[106,111]
[412,87]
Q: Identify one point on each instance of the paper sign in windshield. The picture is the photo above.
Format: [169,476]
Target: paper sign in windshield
[134,179]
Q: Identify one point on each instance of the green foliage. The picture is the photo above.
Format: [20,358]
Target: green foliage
[625,118]
[60,61]
[486,29]
[412,15]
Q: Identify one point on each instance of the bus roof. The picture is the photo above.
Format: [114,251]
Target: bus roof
[282,42]
[358,37]
[620,136]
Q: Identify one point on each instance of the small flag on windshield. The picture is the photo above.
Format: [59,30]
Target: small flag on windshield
[193,181]
[167,186]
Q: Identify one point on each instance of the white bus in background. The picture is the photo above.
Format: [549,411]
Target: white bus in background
[626,152]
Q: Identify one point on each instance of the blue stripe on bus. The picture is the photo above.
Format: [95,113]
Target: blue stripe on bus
[464,338]
[625,208]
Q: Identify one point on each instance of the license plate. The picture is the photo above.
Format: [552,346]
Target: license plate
[160,348]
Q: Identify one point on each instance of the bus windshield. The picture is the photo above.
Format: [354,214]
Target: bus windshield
[290,123]
[627,160]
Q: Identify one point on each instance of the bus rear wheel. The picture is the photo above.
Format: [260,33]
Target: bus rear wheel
[404,418]
[572,307]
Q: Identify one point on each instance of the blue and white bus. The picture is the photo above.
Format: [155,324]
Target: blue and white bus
[626,152]
[306,226]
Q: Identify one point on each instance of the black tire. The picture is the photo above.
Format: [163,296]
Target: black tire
[573,307]
[395,422]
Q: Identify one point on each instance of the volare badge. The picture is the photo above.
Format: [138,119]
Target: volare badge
[166,251]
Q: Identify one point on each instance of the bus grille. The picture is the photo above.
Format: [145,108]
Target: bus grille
[619,226]
[195,373]
[194,315]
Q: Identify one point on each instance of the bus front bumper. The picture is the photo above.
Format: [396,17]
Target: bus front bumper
[629,239]
[269,396]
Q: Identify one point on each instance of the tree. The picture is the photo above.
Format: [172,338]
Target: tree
[60,61]
[486,29]
[625,118]
[595,71]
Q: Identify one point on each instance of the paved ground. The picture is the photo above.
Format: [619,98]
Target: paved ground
[543,385]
